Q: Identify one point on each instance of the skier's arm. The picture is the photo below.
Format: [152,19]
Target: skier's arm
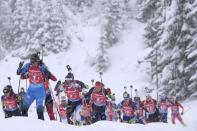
[88,94]
[120,105]
[24,76]
[58,87]
[17,98]
[143,106]
[23,70]
[155,102]
[49,75]
[19,67]
[181,107]
[3,106]
[134,106]
[83,86]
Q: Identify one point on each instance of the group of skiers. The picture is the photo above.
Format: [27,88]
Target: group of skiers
[77,105]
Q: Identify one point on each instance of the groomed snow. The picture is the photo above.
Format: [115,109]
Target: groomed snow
[32,124]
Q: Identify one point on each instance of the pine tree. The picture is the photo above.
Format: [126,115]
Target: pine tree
[146,9]
[20,19]
[171,31]
[54,37]
[191,49]
[78,6]
[153,32]
[102,62]
[110,33]
[112,28]
[5,25]
[35,25]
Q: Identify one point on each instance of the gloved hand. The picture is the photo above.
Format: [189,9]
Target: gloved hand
[21,64]
[57,94]
[86,86]
[182,113]
[112,96]
[59,82]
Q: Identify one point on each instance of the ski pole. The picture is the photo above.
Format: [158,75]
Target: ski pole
[19,84]
[53,97]
[131,87]
[26,82]
[9,79]
[100,73]
[136,92]
[43,45]
[146,90]
[92,82]
[125,88]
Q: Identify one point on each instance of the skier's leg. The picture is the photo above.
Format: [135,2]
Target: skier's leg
[78,110]
[28,100]
[149,118]
[142,120]
[132,120]
[125,119]
[102,113]
[17,112]
[88,121]
[8,114]
[165,119]
[103,116]
[94,114]
[156,116]
[50,111]
[181,120]
[70,110]
[49,106]
[162,117]
[40,96]
[173,119]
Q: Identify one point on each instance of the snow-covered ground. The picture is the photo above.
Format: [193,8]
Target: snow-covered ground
[32,124]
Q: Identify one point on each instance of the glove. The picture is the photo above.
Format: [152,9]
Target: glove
[182,113]
[3,107]
[21,64]
[112,97]
[59,83]
[86,86]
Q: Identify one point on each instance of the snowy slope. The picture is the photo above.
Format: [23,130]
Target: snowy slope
[124,56]
[124,69]
[32,124]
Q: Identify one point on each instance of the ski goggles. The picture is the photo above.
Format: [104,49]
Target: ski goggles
[5,91]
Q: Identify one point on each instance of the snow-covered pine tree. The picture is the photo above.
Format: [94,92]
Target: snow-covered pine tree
[146,9]
[113,24]
[78,5]
[20,20]
[191,50]
[102,62]
[153,32]
[5,26]
[173,34]
[110,32]
[54,36]
[37,23]
[173,45]
[35,26]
